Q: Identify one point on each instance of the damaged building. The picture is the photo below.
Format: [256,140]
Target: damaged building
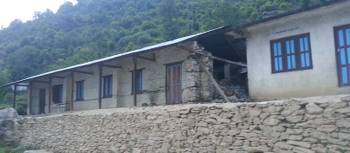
[296,54]
[193,69]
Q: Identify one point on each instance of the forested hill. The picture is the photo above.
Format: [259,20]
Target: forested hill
[96,28]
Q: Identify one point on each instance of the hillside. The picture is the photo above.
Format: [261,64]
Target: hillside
[96,28]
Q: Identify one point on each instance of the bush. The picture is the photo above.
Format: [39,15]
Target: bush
[11,149]
[3,106]
[21,109]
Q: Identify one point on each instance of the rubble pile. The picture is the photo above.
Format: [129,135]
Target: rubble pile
[235,92]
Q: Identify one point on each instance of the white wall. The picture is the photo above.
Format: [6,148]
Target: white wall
[322,79]
[35,98]
[153,77]
[154,73]
[91,89]
[36,86]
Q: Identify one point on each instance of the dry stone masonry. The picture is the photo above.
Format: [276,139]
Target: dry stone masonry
[309,125]
[8,122]
[197,86]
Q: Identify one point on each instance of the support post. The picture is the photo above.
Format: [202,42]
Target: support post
[100,69]
[212,79]
[30,92]
[134,60]
[14,95]
[72,92]
[213,57]
[227,71]
[50,93]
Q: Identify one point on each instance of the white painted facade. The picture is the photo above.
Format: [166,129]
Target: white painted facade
[322,79]
[154,83]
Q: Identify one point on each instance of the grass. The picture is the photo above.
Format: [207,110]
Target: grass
[3,106]
[11,149]
[16,149]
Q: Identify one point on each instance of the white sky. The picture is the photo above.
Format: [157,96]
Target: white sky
[25,9]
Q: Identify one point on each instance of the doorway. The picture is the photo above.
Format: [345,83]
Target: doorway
[173,83]
[42,101]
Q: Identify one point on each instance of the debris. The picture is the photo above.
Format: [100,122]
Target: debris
[234,92]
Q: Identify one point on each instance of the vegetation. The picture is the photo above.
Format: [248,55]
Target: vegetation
[16,148]
[11,149]
[96,28]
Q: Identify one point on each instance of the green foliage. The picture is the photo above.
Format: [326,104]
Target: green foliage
[11,149]
[4,77]
[93,29]
[16,148]
[21,103]
[3,106]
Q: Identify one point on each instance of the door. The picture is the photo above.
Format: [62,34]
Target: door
[342,42]
[173,84]
[42,100]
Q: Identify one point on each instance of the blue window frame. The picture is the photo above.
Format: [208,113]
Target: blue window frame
[107,86]
[79,90]
[278,58]
[291,53]
[305,52]
[290,48]
[342,37]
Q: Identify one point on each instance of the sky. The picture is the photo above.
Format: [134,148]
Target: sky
[25,9]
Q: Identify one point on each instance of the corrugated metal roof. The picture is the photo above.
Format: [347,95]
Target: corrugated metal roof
[174,42]
[145,49]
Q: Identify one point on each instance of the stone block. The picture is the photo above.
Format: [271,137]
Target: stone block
[302,150]
[272,121]
[300,143]
[345,123]
[312,108]
[294,118]
[343,110]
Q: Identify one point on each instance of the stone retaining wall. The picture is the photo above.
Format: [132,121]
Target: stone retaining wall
[8,122]
[319,124]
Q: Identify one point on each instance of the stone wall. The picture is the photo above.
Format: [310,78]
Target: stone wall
[318,124]
[8,126]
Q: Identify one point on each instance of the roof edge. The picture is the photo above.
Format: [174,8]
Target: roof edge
[290,13]
[124,54]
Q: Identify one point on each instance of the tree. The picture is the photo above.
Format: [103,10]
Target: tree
[97,28]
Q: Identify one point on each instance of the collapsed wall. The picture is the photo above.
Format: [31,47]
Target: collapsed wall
[319,124]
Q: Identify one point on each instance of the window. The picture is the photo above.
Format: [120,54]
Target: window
[138,80]
[342,44]
[79,92]
[107,86]
[57,94]
[291,53]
